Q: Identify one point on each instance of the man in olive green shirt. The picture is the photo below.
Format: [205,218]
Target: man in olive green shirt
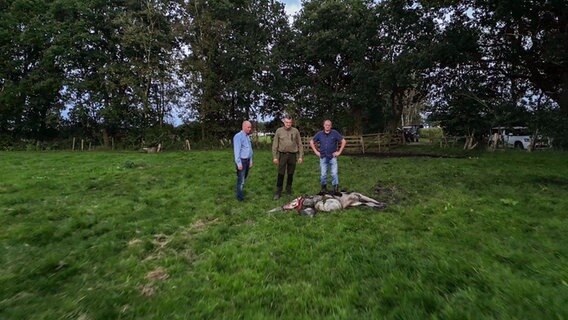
[287,149]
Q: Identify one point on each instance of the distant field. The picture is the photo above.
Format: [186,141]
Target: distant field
[160,236]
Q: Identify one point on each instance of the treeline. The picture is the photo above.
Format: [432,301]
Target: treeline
[118,71]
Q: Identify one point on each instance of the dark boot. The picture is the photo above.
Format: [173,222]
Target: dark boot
[323,189]
[289,184]
[336,191]
[277,194]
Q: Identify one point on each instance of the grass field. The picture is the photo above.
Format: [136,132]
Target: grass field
[160,236]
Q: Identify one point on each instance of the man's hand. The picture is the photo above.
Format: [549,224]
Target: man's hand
[318,154]
[336,154]
[240,166]
[250,164]
[275,161]
[300,160]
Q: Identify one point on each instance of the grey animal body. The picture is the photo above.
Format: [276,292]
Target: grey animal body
[310,205]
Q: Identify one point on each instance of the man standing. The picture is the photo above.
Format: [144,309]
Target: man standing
[243,157]
[287,149]
[328,140]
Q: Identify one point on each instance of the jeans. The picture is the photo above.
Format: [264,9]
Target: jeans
[324,163]
[241,178]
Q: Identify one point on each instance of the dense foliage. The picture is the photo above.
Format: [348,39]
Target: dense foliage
[120,71]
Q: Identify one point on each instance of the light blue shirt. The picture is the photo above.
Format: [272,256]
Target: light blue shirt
[242,147]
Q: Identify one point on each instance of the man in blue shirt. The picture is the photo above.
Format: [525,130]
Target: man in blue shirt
[243,157]
[328,152]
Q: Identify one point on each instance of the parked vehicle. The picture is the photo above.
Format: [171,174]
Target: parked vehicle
[411,132]
[517,137]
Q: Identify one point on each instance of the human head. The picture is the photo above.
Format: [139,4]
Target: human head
[327,126]
[247,127]
[287,122]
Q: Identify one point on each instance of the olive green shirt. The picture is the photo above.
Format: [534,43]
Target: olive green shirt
[287,141]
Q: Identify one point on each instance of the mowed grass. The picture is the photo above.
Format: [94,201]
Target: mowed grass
[160,236]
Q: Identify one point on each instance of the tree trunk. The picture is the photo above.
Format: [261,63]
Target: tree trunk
[106,140]
[563,95]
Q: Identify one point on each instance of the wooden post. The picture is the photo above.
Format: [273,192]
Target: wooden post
[89,145]
[112,142]
[82,145]
[187,145]
[362,144]
[73,144]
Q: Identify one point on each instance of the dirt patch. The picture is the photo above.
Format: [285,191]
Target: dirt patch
[148,290]
[134,242]
[161,240]
[201,224]
[389,194]
[403,155]
[158,274]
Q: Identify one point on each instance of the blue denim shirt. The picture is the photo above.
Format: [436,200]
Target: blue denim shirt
[328,142]
[242,147]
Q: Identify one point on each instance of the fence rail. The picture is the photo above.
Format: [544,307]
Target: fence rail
[376,142]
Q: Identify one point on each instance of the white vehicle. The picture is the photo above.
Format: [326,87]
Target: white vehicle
[516,137]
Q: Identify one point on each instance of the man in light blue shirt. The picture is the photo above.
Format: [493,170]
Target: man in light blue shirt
[243,157]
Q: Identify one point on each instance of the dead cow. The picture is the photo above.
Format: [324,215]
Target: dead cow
[309,205]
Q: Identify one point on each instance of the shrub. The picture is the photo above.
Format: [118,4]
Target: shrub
[431,133]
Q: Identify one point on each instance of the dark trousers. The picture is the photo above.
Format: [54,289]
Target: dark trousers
[241,178]
[286,164]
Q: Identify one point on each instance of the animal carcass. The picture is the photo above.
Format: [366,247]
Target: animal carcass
[310,205]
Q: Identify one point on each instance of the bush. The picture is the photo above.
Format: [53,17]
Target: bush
[431,133]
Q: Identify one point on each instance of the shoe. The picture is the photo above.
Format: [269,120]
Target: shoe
[277,194]
[289,191]
[336,191]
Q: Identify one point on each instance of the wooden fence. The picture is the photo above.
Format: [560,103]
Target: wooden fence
[376,142]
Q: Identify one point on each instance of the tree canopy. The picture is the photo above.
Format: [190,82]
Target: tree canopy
[122,70]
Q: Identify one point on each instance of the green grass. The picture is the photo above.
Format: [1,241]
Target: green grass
[160,236]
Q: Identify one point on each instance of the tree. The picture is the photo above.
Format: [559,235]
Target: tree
[407,33]
[336,66]
[120,65]
[230,55]
[31,74]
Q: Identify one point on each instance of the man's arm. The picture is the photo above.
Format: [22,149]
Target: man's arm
[343,143]
[313,146]
[237,151]
[300,146]
[275,146]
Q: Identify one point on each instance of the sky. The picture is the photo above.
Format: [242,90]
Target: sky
[292,6]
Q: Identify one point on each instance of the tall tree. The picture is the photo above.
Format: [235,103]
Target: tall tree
[230,46]
[521,45]
[121,66]
[31,74]
[406,35]
[336,60]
